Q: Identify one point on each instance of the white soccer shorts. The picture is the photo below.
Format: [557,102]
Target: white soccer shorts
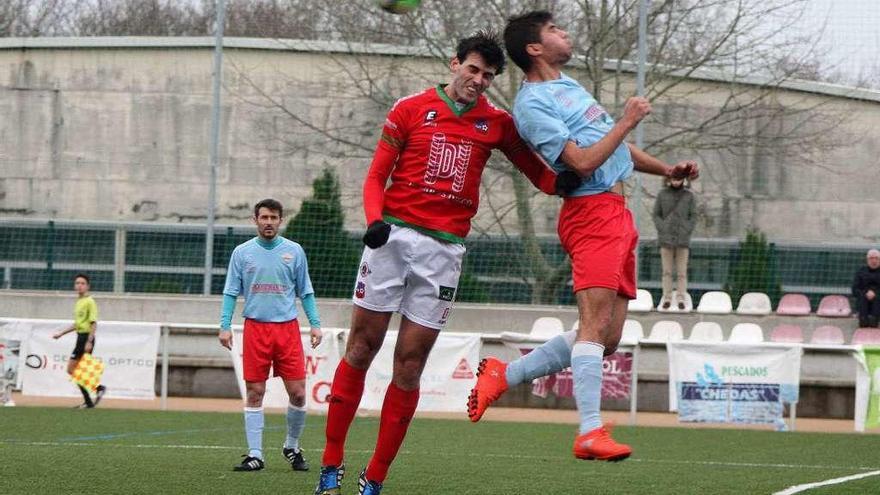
[413,273]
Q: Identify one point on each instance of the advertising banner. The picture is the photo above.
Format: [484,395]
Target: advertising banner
[127,349]
[868,388]
[732,383]
[449,374]
[9,351]
[321,364]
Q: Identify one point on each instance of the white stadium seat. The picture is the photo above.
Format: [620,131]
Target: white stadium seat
[546,327]
[706,331]
[746,333]
[754,303]
[665,331]
[643,302]
[673,308]
[632,332]
[715,302]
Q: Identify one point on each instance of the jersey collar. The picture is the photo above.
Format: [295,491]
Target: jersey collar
[443,96]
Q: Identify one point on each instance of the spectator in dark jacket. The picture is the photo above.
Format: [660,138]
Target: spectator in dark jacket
[675,214]
[866,289]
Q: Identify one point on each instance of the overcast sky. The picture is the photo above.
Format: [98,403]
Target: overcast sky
[852,35]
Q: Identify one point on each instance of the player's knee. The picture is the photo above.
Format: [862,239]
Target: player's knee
[255,397]
[408,372]
[298,399]
[360,354]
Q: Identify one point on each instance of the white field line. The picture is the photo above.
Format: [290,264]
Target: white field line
[807,486]
[443,454]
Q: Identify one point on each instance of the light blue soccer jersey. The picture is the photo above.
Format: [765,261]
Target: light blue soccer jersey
[549,114]
[269,279]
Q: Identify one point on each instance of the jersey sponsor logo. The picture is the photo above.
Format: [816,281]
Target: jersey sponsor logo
[360,291]
[286,257]
[448,161]
[268,288]
[463,371]
[446,293]
[563,99]
[594,112]
[482,126]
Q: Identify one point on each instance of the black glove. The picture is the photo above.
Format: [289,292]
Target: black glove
[566,182]
[377,234]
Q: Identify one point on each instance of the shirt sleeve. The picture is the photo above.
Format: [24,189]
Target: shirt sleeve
[527,161]
[311,310]
[391,142]
[540,124]
[233,275]
[93,311]
[301,275]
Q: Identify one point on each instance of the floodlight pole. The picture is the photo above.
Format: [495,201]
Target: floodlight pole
[217,76]
[640,129]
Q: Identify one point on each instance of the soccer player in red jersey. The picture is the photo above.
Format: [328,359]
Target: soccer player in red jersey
[434,146]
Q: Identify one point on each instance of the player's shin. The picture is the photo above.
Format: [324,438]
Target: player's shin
[586,367]
[550,357]
[345,396]
[253,428]
[397,411]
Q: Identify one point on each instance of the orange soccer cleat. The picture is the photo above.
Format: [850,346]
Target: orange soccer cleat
[597,444]
[491,383]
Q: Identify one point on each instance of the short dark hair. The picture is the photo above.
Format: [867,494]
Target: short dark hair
[84,277]
[271,204]
[522,30]
[485,43]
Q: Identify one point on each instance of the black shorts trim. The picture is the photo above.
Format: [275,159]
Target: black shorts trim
[81,340]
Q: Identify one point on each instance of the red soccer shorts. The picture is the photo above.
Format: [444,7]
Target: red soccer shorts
[598,234]
[272,345]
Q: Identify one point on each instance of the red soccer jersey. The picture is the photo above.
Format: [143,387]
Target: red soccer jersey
[435,155]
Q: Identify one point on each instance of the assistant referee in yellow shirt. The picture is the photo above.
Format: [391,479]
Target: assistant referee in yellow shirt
[85,314]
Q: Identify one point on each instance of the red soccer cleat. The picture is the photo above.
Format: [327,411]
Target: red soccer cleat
[597,444]
[491,383]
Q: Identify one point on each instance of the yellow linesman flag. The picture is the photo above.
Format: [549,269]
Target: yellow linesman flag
[88,372]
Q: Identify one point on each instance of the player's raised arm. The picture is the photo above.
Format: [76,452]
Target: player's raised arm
[385,157]
[646,163]
[586,160]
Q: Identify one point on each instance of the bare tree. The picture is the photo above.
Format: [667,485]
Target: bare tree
[732,48]
[35,17]
[739,50]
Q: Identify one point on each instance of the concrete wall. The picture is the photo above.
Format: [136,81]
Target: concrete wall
[117,129]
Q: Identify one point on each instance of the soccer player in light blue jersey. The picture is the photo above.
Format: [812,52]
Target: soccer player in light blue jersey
[271,272]
[568,127]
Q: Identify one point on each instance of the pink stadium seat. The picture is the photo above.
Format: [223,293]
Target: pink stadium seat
[827,335]
[791,334]
[793,305]
[867,336]
[834,306]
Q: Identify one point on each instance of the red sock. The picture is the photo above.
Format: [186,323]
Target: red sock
[397,411]
[345,396]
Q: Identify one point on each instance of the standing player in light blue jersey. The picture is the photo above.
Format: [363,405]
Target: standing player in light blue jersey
[574,134]
[270,272]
